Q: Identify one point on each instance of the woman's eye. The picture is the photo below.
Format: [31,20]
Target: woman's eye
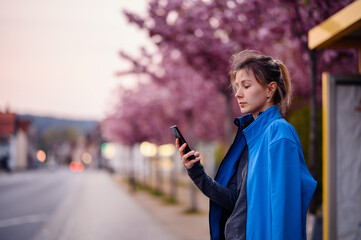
[246,86]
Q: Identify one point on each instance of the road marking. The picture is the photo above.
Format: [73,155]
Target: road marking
[23,220]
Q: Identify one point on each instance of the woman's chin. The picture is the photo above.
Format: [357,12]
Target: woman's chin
[244,111]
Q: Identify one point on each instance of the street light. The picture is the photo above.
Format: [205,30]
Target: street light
[41,156]
[108,150]
[86,158]
[166,150]
[148,149]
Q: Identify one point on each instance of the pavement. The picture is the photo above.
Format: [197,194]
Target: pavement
[61,205]
[188,226]
[99,205]
[98,209]
[174,217]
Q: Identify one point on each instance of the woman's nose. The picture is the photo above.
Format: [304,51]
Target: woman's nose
[238,93]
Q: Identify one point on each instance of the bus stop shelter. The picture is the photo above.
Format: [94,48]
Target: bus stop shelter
[341,125]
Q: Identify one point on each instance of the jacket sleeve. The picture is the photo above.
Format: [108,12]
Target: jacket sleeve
[224,196]
[284,168]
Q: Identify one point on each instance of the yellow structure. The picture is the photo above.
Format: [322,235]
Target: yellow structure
[342,30]
[325,167]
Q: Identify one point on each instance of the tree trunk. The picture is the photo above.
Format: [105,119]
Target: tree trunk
[152,173]
[158,176]
[145,168]
[174,181]
[194,204]
[313,120]
[193,190]
[131,176]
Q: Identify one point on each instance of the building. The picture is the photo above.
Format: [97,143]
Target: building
[14,142]
[341,120]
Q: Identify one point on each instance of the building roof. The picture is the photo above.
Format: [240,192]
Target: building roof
[10,125]
[7,124]
[341,30]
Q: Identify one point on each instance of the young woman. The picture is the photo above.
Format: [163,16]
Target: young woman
[263,187]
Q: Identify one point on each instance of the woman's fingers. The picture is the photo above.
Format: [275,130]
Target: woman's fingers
[181,149]
[187,163]
[190,163]
[187,155]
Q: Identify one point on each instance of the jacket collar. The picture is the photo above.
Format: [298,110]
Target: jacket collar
[257,127]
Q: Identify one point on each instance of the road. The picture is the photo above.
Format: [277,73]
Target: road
[64,205]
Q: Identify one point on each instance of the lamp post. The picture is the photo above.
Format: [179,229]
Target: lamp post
[149,151]
[167,151]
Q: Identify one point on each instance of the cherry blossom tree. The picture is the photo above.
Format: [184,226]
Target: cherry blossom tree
[207,33]
[202,35]
[176,94]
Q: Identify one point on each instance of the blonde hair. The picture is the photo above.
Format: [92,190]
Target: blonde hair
[266,70]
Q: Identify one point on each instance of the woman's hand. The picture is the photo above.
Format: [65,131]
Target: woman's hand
[187,163]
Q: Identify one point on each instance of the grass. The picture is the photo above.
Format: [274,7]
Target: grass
[170,201]
[192,211]
[157,193]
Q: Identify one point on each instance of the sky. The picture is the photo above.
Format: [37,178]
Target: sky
[59,58]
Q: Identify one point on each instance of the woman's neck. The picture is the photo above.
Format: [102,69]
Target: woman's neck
[255,115]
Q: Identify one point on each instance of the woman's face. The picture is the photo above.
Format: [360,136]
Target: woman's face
[251,96]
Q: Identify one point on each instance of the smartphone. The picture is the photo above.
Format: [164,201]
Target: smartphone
[177,134]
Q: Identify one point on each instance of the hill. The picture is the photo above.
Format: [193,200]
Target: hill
[41,124]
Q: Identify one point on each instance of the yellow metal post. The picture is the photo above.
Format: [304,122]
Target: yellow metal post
[325,154]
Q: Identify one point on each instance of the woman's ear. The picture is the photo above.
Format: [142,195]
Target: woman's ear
[272,87]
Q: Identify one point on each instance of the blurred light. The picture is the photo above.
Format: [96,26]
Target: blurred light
[148,149]
[167,164]
[41,156]
[103,146]
[166,150]
[108,150]
[86,158]
[76,167]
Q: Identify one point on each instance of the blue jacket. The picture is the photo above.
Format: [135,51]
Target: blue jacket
[279,185]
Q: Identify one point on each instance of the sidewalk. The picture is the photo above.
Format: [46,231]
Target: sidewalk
[95,207]
[189,226]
